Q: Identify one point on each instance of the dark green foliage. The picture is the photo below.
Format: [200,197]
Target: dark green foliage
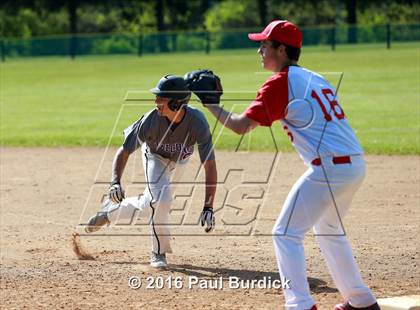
[30,18]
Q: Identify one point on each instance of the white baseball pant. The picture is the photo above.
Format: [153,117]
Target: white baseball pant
[155,203]
[310,204]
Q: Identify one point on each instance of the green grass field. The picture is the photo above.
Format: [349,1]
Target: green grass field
[55,101]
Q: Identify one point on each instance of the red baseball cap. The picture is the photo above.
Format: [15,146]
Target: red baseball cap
[280,30]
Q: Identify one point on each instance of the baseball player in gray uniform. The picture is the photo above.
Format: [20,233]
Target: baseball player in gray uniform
[166,136]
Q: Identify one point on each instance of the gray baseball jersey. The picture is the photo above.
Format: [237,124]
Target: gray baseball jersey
[174,143]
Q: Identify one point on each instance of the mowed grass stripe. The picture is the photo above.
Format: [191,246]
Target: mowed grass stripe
[55,101]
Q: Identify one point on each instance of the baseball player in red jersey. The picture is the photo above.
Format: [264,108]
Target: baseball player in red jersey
[307,107]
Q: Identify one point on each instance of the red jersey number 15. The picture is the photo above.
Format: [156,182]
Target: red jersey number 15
[335,107]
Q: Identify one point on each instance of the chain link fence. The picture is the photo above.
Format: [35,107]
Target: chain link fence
[110,44]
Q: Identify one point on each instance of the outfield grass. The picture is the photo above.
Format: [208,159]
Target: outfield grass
[59,102]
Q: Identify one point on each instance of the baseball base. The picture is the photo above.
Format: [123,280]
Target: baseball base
[400,303]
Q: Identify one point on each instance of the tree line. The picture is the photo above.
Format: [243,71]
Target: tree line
[31,18]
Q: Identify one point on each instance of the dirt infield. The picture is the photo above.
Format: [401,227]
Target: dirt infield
[45,193]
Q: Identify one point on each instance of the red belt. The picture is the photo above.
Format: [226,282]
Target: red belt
[338,160]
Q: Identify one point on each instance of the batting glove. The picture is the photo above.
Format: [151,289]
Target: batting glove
[116,193]
[207,217]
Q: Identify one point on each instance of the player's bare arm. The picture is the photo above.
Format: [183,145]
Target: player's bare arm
[208,88]
[211,182]
[116,191]
[239,124]
[207,217]
[118,165]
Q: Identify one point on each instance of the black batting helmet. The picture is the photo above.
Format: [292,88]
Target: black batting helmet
[174,88]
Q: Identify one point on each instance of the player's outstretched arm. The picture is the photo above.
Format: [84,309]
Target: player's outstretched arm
[116,192]
[208,88]
[239,124]
[118,165]
[207,216]
[211,182]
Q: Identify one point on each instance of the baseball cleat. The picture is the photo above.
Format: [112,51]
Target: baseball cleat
[96,222]
[158,260]
[347,306]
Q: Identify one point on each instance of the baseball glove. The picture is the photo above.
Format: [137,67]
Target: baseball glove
[205,84]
